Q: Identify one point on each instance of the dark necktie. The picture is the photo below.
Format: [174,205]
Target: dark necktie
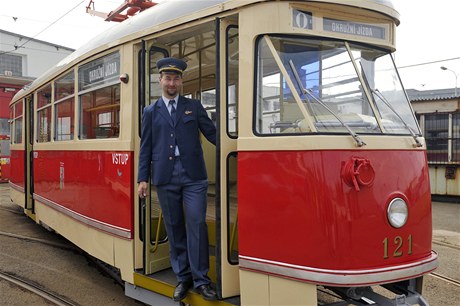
[173,110]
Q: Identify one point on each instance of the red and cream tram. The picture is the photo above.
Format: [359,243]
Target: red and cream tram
[319,189]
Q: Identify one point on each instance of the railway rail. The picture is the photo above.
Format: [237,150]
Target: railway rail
[36,289]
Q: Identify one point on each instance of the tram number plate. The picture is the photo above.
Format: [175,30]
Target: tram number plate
[397,247]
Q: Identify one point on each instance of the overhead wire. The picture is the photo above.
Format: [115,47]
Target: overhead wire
[46,28]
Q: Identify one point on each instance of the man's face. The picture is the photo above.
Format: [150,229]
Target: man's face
[171,84]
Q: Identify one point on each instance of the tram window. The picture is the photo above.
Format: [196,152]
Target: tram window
[64,120]
[44,96]
[99,107]
[382,79]
[64,87]
[44,124]
[328,88]
[232,80]
[16,112]
[64,107]
[4,127]
[44,114]
[18,130]
[100,113]
[155,54]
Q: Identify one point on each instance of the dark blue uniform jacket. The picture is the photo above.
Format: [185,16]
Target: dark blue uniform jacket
[159,137]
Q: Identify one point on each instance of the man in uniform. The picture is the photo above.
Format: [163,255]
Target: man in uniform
[172,155]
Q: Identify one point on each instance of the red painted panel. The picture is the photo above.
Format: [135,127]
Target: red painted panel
[297,208]
[17,167]
[95,184]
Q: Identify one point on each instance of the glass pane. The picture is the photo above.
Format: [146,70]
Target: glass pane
[18,130]
[327,84]
[100,113]
[64,86]
[18,109]
[99,72]
[44,96]
[436,136]
[65,120]
[154,56]
[232,81]
[208,99]
[456,137]
[232,206]
[382,78]
[44,125]
[4,147]
[4,126]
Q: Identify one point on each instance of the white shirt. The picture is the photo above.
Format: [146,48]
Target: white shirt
[169,107]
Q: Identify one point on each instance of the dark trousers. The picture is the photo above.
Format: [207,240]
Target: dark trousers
[183,202]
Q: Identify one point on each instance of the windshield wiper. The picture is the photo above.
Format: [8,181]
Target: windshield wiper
[304,90]
[384,100]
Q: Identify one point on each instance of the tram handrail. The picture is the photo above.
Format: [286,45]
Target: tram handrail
[157,235]
[233,234]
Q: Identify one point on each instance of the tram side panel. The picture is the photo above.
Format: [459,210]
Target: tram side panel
[17,180]
[93,186]
[300,218]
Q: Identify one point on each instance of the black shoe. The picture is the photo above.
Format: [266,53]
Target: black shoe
[181,290]
[207,292]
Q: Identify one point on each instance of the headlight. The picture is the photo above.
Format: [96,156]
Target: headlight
[397,212]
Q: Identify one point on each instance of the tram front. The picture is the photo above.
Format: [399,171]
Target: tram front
[333,186]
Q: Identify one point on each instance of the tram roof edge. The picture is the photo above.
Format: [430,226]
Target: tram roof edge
[170,10]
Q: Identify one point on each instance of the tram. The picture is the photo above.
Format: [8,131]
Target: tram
[318,185]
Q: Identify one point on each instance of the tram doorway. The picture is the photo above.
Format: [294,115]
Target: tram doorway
[210,50]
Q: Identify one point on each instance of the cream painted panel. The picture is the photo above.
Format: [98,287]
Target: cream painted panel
[254,289]
[327,142]
[285,292]
[17,197]
[124,258]
[94,242]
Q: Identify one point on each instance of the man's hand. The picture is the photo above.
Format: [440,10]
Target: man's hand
[142,189]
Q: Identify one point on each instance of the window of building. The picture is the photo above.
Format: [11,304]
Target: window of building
[99,98]
[442,136]
[456,137]
[10,65]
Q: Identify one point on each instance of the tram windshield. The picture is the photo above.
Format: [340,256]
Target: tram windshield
[308,85]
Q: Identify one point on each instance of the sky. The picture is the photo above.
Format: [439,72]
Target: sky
[427,37]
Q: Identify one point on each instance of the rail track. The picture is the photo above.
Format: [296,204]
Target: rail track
[446,279]
[36,289]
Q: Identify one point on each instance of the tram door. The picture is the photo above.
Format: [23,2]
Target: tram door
[211,52]
[29,158]
[156,247]
[227,261]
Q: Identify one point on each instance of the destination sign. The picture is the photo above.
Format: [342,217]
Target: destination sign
[100,71]
[302,19]
[353,28]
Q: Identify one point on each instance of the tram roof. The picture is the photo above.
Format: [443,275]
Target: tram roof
[157,17]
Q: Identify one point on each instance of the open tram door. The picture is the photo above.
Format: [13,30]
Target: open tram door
[210,49]
[29,156]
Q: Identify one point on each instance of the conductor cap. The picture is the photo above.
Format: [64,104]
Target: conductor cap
[171,64]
